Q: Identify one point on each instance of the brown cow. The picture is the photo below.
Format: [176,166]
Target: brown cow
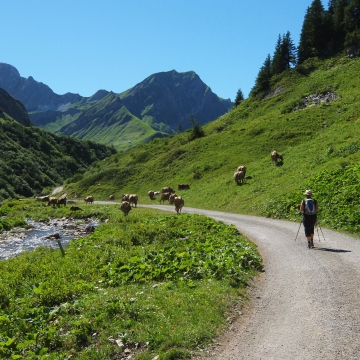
[75,208]
[125,207]
[133,199]
[242,168]
[62,200]
[167,189]
[43,198]
[89,199]
[275,157]
[183,187]
[151,194]
[239,177]
[164,196]
[112,197]
[172,198]
[179,203]
[125,197]
[52,201]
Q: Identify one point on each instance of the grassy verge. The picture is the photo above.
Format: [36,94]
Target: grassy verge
[146,285]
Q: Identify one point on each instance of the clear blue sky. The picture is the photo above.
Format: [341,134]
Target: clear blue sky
[82,46]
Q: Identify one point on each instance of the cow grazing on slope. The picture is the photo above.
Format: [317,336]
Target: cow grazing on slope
[179,203]
[125,207]
[62,200]
[89,199]
[43,198]
[172,198]
[53,201]
[167,189]
[112,197]
[239,177]
[164,196]
[275,157]
[133,199]
[183,187]
[242,168]
[151,194]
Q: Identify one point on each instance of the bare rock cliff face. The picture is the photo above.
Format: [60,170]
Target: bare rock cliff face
[13,108]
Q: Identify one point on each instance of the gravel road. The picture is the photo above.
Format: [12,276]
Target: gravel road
[306,305]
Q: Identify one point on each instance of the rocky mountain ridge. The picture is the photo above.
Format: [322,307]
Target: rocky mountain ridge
[158,106]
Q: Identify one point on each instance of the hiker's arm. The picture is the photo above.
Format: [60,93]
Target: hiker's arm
[302,206]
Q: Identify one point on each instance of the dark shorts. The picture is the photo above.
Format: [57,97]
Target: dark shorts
[309,222]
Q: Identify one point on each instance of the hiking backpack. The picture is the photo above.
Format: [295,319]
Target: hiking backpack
[310,207]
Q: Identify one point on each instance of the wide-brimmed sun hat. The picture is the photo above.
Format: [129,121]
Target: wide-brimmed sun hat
[308,193]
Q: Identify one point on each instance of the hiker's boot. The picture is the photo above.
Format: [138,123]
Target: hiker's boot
[309,244]
[312,243]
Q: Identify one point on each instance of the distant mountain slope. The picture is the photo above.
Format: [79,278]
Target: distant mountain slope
[156,107]
[169,98]
[13,108]
[33,94]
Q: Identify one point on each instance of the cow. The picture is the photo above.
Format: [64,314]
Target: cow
[164,196]
[239,177]
[89,199]
[112,197]
[172,198]
[151,194]
[183,187]
[167,189]
[133,199]
[275,157]
[179,203]
[52,201]
[242,168]
[75,208]
[43,198]
[62,200]
[125,197]
[125,207]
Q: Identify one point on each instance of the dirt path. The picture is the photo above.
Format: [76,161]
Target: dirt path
[306,305]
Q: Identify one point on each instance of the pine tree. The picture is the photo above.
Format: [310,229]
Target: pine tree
[352,23]
[338,19]
[289,51]
[262,82]
[284,55]
[277,64]
[239,98]
[314,33]
[352,16]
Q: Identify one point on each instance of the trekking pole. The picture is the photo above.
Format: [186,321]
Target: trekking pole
[317,229]
[318,226]
[298,230]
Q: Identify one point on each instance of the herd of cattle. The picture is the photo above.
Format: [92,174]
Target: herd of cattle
[167,193]
[128,201]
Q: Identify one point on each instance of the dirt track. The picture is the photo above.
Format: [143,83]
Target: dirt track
[306,305]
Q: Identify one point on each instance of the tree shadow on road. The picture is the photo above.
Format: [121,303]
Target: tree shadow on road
[332,250]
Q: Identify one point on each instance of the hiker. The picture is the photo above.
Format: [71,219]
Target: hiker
[309,207]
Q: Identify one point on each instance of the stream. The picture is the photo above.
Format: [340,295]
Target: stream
[44,233]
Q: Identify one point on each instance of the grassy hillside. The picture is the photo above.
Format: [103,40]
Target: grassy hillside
[33,159]
[313,139]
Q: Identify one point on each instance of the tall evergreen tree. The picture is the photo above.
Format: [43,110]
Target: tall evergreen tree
[262,82]
[289,51]
[277,64]
[338,19]
[284,55]
[239,98]
[352,23]
[352,16]
[314,33]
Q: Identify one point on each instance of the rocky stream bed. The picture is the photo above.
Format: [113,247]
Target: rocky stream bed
[44,233]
